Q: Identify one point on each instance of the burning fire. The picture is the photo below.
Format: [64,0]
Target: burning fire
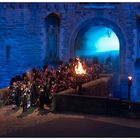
[79,68]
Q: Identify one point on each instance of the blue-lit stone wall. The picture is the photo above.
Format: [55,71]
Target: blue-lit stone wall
[20,30]
[23,36]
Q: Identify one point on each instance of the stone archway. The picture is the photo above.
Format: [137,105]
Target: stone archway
[84,26]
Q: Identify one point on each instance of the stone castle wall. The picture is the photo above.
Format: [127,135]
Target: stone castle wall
[23,36]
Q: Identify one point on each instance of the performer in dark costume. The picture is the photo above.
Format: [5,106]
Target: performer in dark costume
[29,94]
[33,94]
[53,88]
[15,96]
[41,96]
[18,95]
[47,91]
[24,94]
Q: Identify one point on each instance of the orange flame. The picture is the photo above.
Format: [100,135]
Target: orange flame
[79,68]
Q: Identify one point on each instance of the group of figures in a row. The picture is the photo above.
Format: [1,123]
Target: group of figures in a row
[38,86]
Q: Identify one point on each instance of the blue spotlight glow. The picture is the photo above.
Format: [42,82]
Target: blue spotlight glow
[98,40]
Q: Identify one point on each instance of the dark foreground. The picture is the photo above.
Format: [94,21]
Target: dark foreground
[68,127]
[46,124]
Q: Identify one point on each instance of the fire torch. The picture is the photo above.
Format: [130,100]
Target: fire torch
[129,90]
[129,87]
[80,75]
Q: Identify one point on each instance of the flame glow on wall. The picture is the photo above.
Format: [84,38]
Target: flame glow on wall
[98,40]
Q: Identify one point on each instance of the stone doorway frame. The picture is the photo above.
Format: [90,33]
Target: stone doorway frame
[100,21]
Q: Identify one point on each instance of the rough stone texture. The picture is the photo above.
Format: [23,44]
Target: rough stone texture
[23,30]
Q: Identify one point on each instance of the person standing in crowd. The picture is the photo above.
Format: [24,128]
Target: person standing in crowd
[18,94]
[33,93]
[14,95]
[24,94]
[28,94]
[41,96]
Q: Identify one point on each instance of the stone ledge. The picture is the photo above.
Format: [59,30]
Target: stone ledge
[95,105]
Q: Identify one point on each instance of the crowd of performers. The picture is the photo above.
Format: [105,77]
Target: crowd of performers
[38,86]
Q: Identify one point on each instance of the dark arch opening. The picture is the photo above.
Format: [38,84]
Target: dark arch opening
[53,19]
[52,38]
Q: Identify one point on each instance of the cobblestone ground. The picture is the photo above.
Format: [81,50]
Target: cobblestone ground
[15,120]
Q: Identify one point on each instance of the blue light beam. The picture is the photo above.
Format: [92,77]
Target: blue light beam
[97,40]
